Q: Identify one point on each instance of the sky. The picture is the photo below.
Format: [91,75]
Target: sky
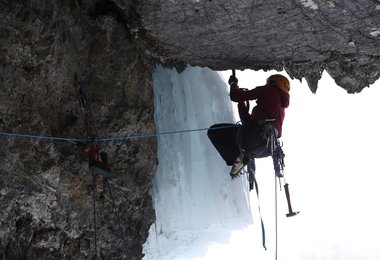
[331,151]
[332,148]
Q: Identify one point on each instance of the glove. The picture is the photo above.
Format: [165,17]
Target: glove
[232,80]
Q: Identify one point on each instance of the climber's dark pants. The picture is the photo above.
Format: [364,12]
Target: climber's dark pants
[226,139]
[99,168]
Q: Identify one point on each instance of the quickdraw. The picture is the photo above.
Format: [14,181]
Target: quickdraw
[95,170]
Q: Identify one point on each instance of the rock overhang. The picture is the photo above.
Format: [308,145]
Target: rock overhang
[303,37]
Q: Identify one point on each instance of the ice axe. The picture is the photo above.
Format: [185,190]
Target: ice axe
[291,212]
[233,73]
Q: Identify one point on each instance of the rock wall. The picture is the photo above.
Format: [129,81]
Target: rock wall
[45,188]
[304,37]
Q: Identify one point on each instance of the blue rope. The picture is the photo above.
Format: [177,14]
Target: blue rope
[113,138]
[41,137]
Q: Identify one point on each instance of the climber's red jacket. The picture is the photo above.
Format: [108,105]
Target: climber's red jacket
[93,153]
[270,103]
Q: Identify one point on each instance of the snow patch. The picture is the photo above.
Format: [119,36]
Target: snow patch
[331,4]
[309,4]
[375,32]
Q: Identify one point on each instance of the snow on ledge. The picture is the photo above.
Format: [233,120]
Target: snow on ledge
[375,33]
[309,4]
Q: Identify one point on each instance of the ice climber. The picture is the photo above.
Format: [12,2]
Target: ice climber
[233,143]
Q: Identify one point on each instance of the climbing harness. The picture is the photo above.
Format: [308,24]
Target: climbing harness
[93,142]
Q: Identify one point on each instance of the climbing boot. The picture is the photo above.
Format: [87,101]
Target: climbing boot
[237,167]
[101,172]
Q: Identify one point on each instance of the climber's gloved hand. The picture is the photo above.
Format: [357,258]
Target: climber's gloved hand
[232,80]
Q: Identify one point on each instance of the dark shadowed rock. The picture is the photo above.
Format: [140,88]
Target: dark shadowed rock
[45,188]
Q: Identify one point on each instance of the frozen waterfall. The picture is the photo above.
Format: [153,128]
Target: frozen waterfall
[195,201]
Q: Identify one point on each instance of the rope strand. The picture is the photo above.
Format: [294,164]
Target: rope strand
[121,229]
[121,138]
[276,220]
[94,213]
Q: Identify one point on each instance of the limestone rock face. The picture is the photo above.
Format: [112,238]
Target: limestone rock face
[304,37]
[45,188]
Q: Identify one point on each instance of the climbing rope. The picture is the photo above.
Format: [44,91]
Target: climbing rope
[93,142]
[94,214]
[122,234]
[274,146]
[92,134]
[120,138]
[291,213]
[276,215]
[256,186]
